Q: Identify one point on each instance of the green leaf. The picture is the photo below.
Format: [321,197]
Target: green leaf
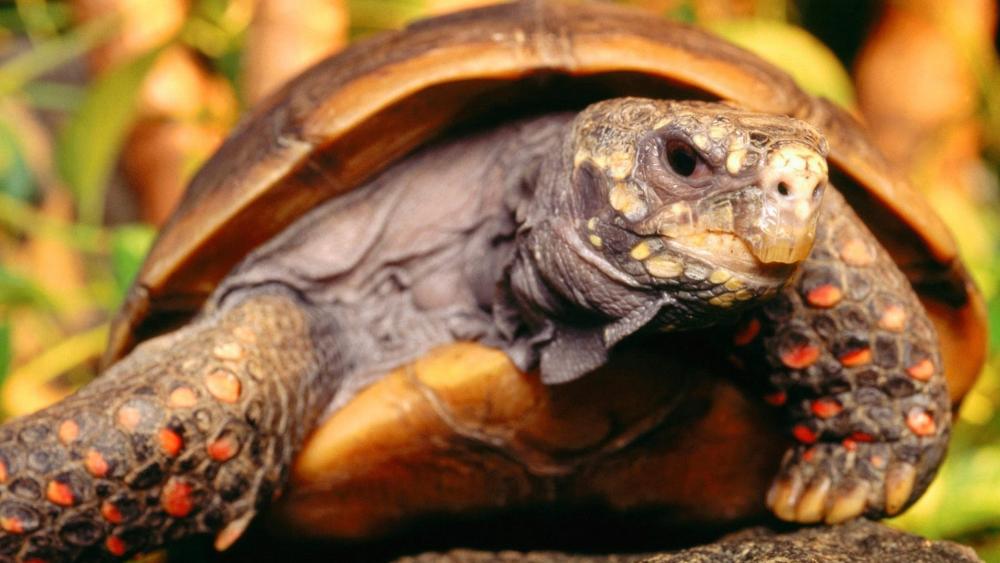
[90,144]
[20,291]
[994,324]
[683,12]
[814,66]
[19,70]
[129,245]
[15,177]
[5,350]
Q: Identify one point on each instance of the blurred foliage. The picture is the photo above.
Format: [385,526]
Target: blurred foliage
[71,241]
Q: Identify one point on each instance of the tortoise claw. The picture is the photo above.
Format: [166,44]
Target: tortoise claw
[848,503]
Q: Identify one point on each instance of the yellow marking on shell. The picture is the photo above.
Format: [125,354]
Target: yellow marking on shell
[592,223]
[641,251]
[735,160]
[744,295]
[734,284]
[596,241]
[719,276]
[700,141]
[626,201]
[663,267]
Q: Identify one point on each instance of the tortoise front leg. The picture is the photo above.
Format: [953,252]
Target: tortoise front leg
[191,433]
[852,357]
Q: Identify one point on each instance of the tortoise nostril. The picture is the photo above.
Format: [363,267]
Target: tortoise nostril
[783,189]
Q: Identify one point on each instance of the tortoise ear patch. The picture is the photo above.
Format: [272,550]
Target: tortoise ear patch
[589,195]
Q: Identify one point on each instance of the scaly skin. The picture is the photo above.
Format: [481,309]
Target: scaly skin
[193,432]
[853,359]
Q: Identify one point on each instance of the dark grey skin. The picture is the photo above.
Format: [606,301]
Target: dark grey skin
[552,239]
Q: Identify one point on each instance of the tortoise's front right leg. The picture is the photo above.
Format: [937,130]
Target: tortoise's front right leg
[852,358]
[191,433]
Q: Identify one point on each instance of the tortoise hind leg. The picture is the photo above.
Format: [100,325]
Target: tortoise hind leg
[853,360]
[191,433]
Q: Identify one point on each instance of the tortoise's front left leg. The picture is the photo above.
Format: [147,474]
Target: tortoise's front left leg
[191,433]
[851,356]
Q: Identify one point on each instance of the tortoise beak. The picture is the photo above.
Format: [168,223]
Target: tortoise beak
[792,182]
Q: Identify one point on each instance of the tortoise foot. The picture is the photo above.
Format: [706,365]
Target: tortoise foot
[833,483]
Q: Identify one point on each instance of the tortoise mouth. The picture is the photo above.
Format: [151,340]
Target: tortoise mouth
[730,252]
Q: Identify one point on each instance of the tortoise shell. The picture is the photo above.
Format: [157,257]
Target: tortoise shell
[352,115]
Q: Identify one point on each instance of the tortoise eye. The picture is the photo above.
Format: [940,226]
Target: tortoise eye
[682,158]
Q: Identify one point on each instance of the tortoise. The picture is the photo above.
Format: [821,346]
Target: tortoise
[535,254]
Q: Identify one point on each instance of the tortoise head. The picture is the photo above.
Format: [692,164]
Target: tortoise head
[699,196]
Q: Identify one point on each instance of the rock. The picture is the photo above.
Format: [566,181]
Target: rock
[856,541]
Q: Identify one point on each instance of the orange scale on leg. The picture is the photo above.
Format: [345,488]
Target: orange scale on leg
[824,296]
[95,463]
[223,385]
[69,431]
[920,422]
[893,318]
[182,398]
[856,253]
[12,524]
[111,513]
[60,493]
[922,370]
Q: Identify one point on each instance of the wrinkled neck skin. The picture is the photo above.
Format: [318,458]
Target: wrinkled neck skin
[563,304]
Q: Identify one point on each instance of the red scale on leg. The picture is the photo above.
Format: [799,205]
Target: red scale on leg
[856,357]
[176,498]
[115,546]
[224,448]
[804,434]
[171,443]
[747,332]
[801,356]
[826,407]
[862,437]
[776,399]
